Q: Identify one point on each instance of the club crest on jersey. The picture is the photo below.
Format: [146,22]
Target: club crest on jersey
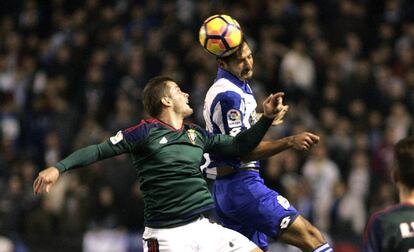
[234,118]
[192,135]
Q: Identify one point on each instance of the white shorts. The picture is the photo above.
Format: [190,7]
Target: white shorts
[200,235]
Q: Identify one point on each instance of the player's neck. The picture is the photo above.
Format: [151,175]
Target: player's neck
[172,119]
[406,195]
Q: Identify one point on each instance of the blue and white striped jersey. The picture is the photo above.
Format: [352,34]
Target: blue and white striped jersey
[229,108]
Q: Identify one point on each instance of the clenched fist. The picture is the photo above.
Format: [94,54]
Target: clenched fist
[304,141]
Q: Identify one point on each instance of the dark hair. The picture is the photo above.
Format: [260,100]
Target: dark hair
[235,54]
[404,160]
[154,90]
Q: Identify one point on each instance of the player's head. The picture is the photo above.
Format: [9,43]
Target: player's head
[163,93]
[404,162]
[239,63]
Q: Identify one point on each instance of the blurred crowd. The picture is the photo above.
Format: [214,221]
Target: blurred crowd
[72,73]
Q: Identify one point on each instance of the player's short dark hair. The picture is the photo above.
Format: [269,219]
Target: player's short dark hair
[404,160]
[237,54]
[154,90]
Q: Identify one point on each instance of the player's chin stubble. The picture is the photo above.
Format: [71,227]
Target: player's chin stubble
[246,73]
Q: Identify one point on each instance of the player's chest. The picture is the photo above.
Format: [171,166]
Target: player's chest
[248,108]
[174,143]
[248,103]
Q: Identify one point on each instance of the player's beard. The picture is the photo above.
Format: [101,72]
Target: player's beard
[246,74]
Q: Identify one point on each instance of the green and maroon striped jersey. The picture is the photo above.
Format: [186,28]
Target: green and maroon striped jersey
[391,230]
[167,162]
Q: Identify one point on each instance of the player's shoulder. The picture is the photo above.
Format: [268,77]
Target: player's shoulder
[223,82]
[389,218]
[380,216]
[196,128]
[143,124]
[373,227]
[223,86]
[141,129]
[223,89]
[395,209]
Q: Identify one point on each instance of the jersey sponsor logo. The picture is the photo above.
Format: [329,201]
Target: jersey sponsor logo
[117,138]
[192,135]
[285,222]
[407,229]
[234,118]
[163,140]
[283,202]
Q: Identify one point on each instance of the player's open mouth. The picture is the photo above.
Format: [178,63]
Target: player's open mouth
[246,71]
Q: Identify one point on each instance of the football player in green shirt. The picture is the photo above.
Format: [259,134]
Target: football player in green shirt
[392,229]
[166,154]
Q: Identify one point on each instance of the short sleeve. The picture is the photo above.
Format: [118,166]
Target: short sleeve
[227,112]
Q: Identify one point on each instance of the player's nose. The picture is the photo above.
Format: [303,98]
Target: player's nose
[249,64]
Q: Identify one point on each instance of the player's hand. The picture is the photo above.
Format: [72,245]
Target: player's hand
[281,114]
[304,141]
[273,105]
[45,180]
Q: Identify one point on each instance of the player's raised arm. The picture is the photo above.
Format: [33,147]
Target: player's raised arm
[249,139]
[246,141]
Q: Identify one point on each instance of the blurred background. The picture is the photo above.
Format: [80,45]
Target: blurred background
[72,74]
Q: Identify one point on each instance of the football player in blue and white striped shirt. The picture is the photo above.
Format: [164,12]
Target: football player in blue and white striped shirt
[243,202]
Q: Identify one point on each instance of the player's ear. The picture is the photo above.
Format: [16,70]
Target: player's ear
[221,63]
[166,101]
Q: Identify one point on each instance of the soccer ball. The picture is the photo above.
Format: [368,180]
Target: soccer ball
[220,35]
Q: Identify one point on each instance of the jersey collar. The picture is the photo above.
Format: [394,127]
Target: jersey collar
[244,85]
[156,120]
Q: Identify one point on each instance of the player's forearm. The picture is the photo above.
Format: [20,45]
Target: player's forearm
[86,156]
[249,139]
[267,149]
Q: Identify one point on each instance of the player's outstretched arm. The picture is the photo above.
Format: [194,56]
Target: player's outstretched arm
[80,158]
[45,180]
[249,139]
[266,149]
[246,141]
